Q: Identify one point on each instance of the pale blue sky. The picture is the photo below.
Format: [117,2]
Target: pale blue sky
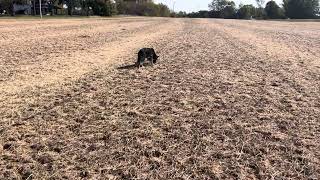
[196,5]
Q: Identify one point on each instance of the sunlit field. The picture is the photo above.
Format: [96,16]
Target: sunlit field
[228,99]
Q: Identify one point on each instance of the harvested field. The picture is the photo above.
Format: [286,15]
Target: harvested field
[228,99]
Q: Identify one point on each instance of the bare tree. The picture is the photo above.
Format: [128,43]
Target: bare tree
[260,3]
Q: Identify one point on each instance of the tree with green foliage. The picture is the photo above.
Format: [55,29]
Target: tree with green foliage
[199,14]
[143,9]
[301,9]
[1,9]
[164,11]
[7,5]
[52,4]
[70,6]
[273,11]
[259,12]
[229,10]
[218,5]
[121,6]
[85,7]
[246,11]
[181,14]
[222,8]
[101,7]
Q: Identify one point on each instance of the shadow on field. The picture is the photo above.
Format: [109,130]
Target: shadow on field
[131,66]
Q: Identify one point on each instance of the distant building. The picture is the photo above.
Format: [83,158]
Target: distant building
[33,7]
[21,8]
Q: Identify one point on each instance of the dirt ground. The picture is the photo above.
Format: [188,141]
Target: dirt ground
[228,99]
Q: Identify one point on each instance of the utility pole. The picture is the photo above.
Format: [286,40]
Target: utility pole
[40,9]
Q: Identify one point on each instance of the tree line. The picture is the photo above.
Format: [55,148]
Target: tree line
[293,9]
[83,7]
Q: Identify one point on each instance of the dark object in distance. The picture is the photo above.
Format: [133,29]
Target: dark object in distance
[148,53]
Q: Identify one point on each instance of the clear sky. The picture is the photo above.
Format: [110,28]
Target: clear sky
[196,5]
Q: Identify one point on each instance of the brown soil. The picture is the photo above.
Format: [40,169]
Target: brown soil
[228,99]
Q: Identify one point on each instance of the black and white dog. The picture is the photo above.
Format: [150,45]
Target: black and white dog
[148,53]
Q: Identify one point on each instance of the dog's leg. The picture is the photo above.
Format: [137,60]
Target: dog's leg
[140,60]
[140,64]
[151,60]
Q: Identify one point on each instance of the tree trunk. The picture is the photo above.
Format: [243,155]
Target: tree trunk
[34,8]
[12,10]
[52,9]
[70,7]
[69,11]
[40,8]
[87,10]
